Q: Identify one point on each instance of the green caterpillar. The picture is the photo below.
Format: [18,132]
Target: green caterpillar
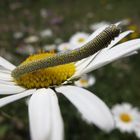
[99,42]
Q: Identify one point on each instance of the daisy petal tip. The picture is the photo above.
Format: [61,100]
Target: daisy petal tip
[110,127]
[45,118]
[92,109]
[108,124]
[118,24]
[122,22]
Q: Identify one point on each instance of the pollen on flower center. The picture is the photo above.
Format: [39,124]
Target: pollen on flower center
[125,117]
[81,39]
[83,81]
[45,77]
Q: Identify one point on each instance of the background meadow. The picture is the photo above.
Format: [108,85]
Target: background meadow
[115,83]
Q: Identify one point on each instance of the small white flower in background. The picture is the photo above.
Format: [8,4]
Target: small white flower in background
[126,117]
[44,13]
[78,39]
[49,47]
[98,25]
[44,113]
[85,81]
[64,47]
[58,40]
[18,35]
[25,49]
[46,33]
[31,39]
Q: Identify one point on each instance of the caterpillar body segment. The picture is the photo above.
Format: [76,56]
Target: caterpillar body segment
[99,42]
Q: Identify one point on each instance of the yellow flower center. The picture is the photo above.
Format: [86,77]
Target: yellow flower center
[81,40]
[125,117]
[47,77]
[83,81]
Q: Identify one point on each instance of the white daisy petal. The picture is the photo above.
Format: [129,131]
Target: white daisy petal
[7,65]
[123,49]
[93,35]
[6,100]
[138,133]
[40,114]
[83,64]
[126,106]
[132,53]
[7,82]
[86,63]
[124,22]
[79,63]
[5,71]
[118,23]
[90,106]
[120,37]
[10,89]
[5,76]
[113,54]
[98,25]
[137,130]
[57,132]
[80,70]
[98,31]
[45,117]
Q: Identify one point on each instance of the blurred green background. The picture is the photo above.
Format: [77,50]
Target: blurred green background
[115,83]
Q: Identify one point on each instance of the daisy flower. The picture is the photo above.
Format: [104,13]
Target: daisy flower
[31,39]
[49,47]
[58,40]
[78,39]
[43,85]
[18,35]
[126,117]
[64,47]
[46,33]
[25,49]
[85,81]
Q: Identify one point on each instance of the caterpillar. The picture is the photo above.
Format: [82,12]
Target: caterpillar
[99,42]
